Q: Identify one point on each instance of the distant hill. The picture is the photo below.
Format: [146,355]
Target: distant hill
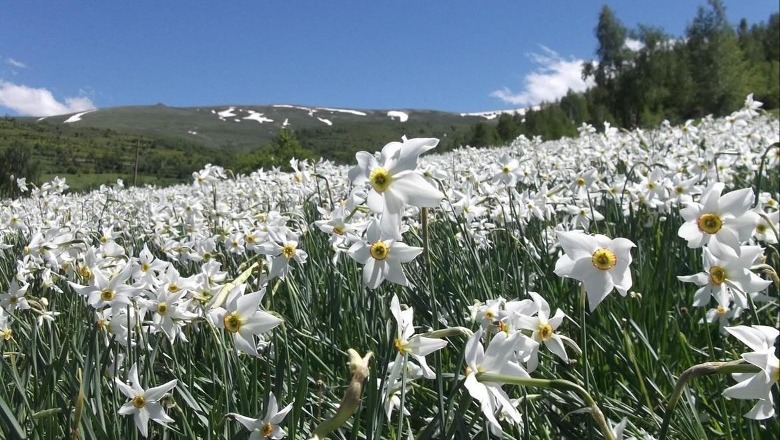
[100,146]
[234,127]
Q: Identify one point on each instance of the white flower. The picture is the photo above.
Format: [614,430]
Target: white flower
[407,343]
[766,227]
[505,171]
[280,250]
[242,318]
[382,258]
[395,182]
[497,359]
[757,385]
[268,425]
[543,329]
[104,292]
[726,271]
[143,404]
[724,220]
[600,263]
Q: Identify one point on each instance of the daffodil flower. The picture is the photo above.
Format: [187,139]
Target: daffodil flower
[720,220]
[382,258]
[599,262]
[104,292]
[497,359]
[407,343]
[143,404]
[725,271]
[242,318]
[395,182]
[757,385]
[543,328]
[268,425]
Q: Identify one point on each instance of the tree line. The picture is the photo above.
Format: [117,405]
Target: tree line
[710,70]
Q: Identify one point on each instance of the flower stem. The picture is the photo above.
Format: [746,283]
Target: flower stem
[704,369]
[351,400]
[558,384]
[402,398]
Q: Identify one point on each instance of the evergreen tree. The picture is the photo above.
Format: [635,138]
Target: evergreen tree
[483,135]
[719,66]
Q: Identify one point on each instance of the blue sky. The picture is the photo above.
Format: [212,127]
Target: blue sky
[461,56]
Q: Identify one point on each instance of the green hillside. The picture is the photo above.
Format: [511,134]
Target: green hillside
[232,128]
[170,143]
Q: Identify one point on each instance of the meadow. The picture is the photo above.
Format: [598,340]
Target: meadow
[620,284]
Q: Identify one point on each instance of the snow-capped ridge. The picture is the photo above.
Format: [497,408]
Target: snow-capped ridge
[77,116]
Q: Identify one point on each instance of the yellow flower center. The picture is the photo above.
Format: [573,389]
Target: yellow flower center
[709,223]
[545,331]
[505,170]
[761,228]
[717,275]
[85,272]
[6,334]
[232,322]
[144,267]
[603,259]
[162,308]
[490,315]
[338,230]
[173,288]
[400,346]
[267,430]
[107,295]
[249,238]
[720,310]
[379,250]
[288,251]
[139,401]
[380,179]
[580,181]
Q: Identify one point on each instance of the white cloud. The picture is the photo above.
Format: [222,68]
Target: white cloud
[30,101]
[15,63]
[551,80]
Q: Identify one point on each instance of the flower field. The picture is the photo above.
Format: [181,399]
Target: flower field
[616,285]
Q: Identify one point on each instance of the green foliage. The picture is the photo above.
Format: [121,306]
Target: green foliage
[16,161]
[49,148]
[549,122]
[275,153]
[710,72]
[483,135]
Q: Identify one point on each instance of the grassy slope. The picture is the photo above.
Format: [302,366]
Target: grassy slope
[102,145]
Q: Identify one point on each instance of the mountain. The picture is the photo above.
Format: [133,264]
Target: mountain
[236,127]
[165,144]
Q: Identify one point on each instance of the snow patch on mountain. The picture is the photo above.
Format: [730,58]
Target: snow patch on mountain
[342,110]
[393,114]
[224,114]
[496,113]
[325,121]
[259,117]
[77,117]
